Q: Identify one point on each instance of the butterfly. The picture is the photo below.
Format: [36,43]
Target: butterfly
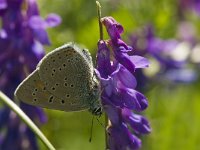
[64,80]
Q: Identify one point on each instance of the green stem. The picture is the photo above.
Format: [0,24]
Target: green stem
[26,119]
[99,18]
[101,38]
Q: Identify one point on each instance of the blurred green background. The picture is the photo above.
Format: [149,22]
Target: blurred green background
[173,111]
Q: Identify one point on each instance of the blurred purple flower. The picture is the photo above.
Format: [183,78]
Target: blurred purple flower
[115,69]
[193,5]
[147,43]
[21,37]
[171,55]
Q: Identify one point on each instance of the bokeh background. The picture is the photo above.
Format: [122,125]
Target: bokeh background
[174,107]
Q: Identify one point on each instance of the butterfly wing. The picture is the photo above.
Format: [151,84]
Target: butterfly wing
[34,92]
[67,74]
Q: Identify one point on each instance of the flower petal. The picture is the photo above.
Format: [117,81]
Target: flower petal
[120,138]
[53,20]
[114,29]
[111,110]
[103,60]
[139,62]
[130,99]
[42,36]
[137,122]
[37,22]
[124,78]
[125,60]
[3,4]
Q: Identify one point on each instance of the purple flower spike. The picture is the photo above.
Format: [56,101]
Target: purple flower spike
[22,36]
[119,98]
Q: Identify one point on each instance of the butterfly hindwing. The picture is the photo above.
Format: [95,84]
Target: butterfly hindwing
[34,92]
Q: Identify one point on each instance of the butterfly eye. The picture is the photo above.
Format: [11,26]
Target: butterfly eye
[65,84]
[34,99]
[53,88]
[71,85]
[64,65]
[67,95]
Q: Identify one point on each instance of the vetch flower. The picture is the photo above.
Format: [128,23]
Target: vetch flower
[115,69]
[121,139]
[171,56]
[22,34]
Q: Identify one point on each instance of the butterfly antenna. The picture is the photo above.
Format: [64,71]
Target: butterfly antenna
[91,129]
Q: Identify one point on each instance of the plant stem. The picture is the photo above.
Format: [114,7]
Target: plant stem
[26,119]
[101,38]
[99,18]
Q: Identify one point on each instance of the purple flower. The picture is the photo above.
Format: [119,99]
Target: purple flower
[22,35]
[193,5]
[114,29]
[171,55]
[120,138]
[115,69]
[156,47]
[137,122]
